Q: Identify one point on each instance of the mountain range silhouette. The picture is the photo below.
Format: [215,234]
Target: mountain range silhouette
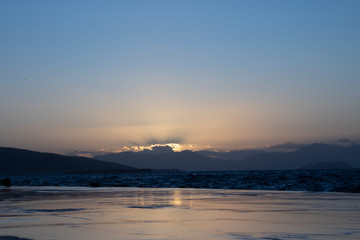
[314,156]
[240,159]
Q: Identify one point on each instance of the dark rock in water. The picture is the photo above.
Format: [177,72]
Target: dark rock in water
[6,182]
[93,184]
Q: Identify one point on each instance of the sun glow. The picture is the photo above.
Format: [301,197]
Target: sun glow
[176,147]
[158,147]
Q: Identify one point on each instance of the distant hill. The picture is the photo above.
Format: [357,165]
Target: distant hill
[18,161]
[185,160]
[15,161]
[328,165]
[238,160]
[236,155]
[311,154]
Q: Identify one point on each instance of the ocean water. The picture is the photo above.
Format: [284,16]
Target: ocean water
[84,213]
[288,180]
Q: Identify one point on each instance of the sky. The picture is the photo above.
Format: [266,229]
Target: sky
[92,75]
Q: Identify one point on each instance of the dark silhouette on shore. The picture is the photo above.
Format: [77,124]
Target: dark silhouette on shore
[6,182]
[12,238]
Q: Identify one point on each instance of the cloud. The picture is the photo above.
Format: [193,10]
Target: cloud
[159,150]
[88,154]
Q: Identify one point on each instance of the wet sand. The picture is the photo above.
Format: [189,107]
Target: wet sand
[68,213]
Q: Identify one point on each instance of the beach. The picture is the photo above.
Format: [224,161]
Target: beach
[64,213]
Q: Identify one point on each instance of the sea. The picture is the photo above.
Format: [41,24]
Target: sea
[234,205]
[281,180]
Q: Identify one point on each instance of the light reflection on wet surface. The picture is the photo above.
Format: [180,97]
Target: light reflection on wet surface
[134,213]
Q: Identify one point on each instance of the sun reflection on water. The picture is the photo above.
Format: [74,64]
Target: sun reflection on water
[176,200]
[156,199]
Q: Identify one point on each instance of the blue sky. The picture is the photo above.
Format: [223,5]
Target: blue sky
[219,74]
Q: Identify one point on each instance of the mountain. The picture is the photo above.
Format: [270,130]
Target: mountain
[18,161]
[328,165]
[185,160]
[15,161]
[238,160]
[235,155]
[311,154]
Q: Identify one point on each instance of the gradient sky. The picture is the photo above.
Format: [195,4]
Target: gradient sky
[82,75]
